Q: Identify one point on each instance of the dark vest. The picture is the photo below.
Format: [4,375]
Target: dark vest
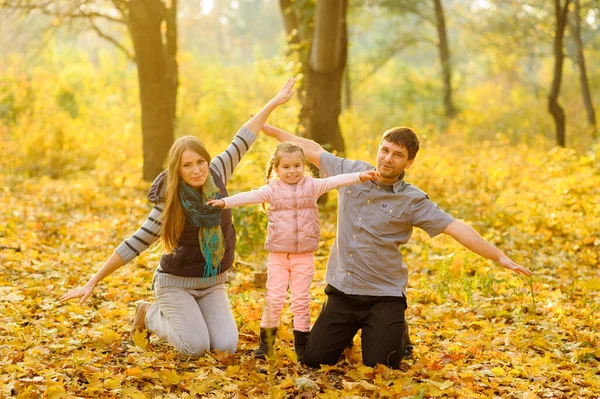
[187,260]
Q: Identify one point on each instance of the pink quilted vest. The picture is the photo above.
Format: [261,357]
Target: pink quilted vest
[293,218]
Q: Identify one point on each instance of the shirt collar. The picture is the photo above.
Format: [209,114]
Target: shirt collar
[397,186]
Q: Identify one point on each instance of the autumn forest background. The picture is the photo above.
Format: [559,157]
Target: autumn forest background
[503,95]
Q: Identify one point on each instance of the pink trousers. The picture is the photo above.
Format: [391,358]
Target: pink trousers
[297,271]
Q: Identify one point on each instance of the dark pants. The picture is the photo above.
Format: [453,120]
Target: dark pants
[381,319]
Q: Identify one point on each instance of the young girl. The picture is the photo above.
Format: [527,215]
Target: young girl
[192,310]
[293,235]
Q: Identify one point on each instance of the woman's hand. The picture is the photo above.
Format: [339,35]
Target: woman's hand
[219,203]
[369,175]
[285,93]
[82,292]
[257,121]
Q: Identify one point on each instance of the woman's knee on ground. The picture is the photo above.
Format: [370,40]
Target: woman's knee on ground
[225,342]
[194,348]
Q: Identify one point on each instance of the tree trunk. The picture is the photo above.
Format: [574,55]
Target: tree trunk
[157,76]
[290,21]
[585,87]
[296,29]
[327,60]
[171,58]
[554,107]
[444,52]
[347,94]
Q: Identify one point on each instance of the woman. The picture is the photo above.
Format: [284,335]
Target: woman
[192,310]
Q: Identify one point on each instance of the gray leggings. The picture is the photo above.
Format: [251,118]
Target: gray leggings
[193,321]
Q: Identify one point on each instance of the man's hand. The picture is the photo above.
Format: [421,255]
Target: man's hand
[509,264]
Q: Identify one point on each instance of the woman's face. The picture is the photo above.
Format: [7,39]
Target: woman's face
[193,169]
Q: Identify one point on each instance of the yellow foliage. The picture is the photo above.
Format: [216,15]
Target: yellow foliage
[140,339]
[476,328]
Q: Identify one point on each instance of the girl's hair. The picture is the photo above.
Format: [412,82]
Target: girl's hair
[173,217]
[284,148]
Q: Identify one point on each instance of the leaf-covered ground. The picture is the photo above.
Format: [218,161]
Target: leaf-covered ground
[479,331]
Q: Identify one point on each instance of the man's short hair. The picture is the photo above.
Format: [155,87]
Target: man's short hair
[403,136]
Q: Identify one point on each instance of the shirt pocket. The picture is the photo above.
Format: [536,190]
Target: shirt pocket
[388,220]
[350,195]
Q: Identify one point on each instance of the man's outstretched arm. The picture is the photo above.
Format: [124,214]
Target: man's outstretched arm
[312,149]
[470,239]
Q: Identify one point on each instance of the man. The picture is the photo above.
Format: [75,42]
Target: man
[366,277]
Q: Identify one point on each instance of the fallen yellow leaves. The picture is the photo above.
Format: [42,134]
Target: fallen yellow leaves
[476,330]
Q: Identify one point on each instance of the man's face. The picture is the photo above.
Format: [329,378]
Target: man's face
[392,159]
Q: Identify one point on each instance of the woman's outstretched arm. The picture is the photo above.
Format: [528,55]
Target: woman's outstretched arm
[125,252]
[225,163]
[257,121]
[113,263]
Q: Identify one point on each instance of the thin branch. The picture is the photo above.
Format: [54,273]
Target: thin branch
[97,15]
[16,249]
[390,53]
[44,9]
[122,7]
[410,8]
[111,39]
[24,7]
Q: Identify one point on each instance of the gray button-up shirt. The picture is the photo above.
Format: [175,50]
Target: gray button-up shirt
[373,221]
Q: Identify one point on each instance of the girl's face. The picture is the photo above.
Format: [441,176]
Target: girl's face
[291,168]
[193,169]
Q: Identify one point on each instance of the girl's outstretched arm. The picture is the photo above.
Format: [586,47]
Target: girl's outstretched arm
[337,181]
[258,196]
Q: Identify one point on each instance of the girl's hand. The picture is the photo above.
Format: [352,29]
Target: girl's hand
[216,203]
[82,292]
[285,93]
[369,175]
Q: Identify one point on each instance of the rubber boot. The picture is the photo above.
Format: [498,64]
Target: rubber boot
[300,339]
[267,341]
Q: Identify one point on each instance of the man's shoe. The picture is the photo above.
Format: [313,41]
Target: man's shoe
[300,340]
[408,353]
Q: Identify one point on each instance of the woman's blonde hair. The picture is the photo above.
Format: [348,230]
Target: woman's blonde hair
[173,217]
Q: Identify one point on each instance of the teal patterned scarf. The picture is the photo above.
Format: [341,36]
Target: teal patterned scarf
[208,219]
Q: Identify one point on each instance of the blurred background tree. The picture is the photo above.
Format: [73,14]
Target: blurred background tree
[152,46]
[66,72]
